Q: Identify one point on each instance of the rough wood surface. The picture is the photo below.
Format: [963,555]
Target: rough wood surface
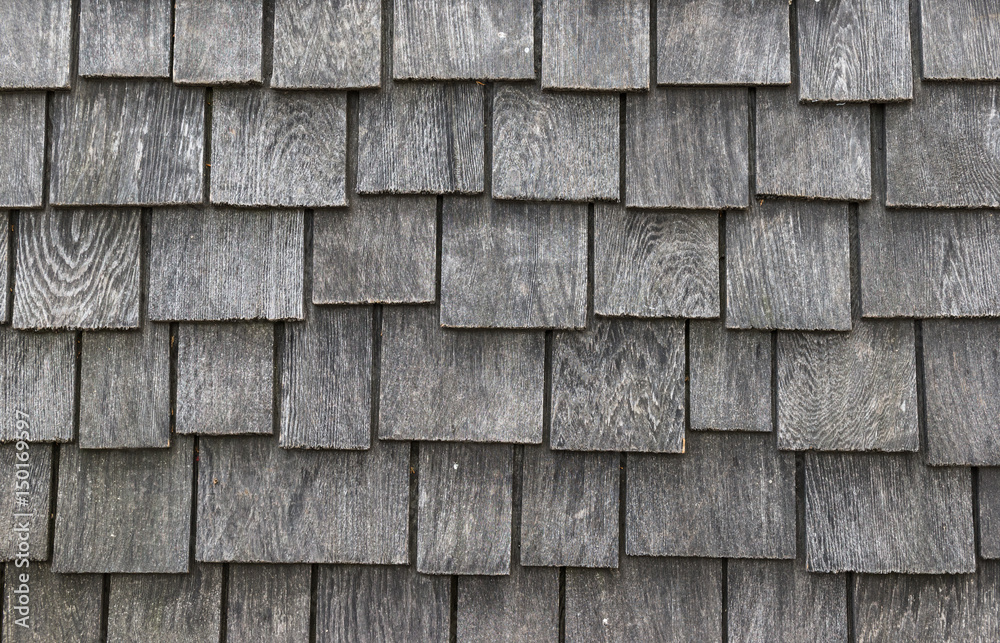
[554,146]
[380,250]
[5,272]
[686,147]
[35,44]
[283,149]
[881,513]
[722,42]
[22,149]
[454,39]
[569,508]
[849,392]
[989,512]
[671,600]
[619,386]
[464,509]
[509,609]
[855,50]
[218,43]
[327,45]
[421,138]
[442,384]
[268,603]
[258,502]
[123,38]
[730,495]
[32,486]
[62,607]
[513,265]
[77,269]
[127,142]
[730,378]
[958,39]
[226,264]
[168,608]
[655,264]
[788,267]
[37,381]
[126,511]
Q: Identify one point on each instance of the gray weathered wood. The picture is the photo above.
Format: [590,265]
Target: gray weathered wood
[852,391]
[655,264]
[788,266]
[855,50]
[29,482]
[226,264]
[569,508]
[326,379]
[513,265]
[225,378]
[887,512]
[671,600]
[125,38]
[686,147]
[595,44]
[5,272]
[126,511]
[722,42]
[421,138]
[127,142]
[464,509]
[359,603]
[989,512]
[380,250]
[282,149]
[258,502]
[958,39]
[443,384]
[455,39]
[168,608]
[509,609]
[268,603]
[35,44]
[327,45]
[619,386]
[61,607]
[22,149]
[813,151]
[218,43]
[730,375]
[77,269]
[37,379]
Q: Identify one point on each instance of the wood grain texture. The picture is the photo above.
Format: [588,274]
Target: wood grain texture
[283,149]
[125,389]
[554,147]
[855,50]
[508,609]
[464,509]
[686,147]
[455,39]
[730,495]
[722,42]
[655,264]
[35,44]
[226,264]
[268,603]
[730,378]
[127,142]
[77,269]
[788,267]
[513,265]
[442,384]
[359,603]
[382,249]
[218,43]
[327,45]
[29,481]
[418,138]
[569,508]
[123,38]
[62,607]
[258,502]
[672,600]
[957,40]
[849,392]
[812,151]
[326,379]
[882,512]
[37,381]
[169,608]
[779,600]
[5,277]
[124,511]
[595,44]
[989,512]
[22,149]
[619,386]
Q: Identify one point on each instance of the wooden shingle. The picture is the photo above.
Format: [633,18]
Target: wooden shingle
[169,608]
[218,43]
[61,607]
[508,609]
[35,44]
[22,149]
[125,39]
[268,603]
[37,381]
[33,488]
[989,512]
[958,39]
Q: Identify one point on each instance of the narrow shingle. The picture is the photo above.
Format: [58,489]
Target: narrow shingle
[125,39]
[37,380]
[22,149]
[29,482]
[35,44]
[218,43]
[989,512]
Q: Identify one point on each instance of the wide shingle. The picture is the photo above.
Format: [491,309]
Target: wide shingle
[126,39]
[989,512]
[509,609]
[168,608]
[37,380]
[35,44]
[268,603]
[33,490]
[62,607]
[218,43]
[22,149]
[958,38]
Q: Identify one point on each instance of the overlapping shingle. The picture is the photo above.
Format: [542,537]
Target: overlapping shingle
[958,38]
[268,603]
[126,39]
[61,607]
[218,43]
[507,609]
[171,608]
[989,512]
[35,44]
[22,148]
[37,380]
[26,481]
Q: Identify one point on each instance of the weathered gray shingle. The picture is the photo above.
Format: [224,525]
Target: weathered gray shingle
[218,43]
[22,149]
[37,381]
[958,39]
[126,39]
[35,44]
[508,609]
[33,489]
[170,608]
